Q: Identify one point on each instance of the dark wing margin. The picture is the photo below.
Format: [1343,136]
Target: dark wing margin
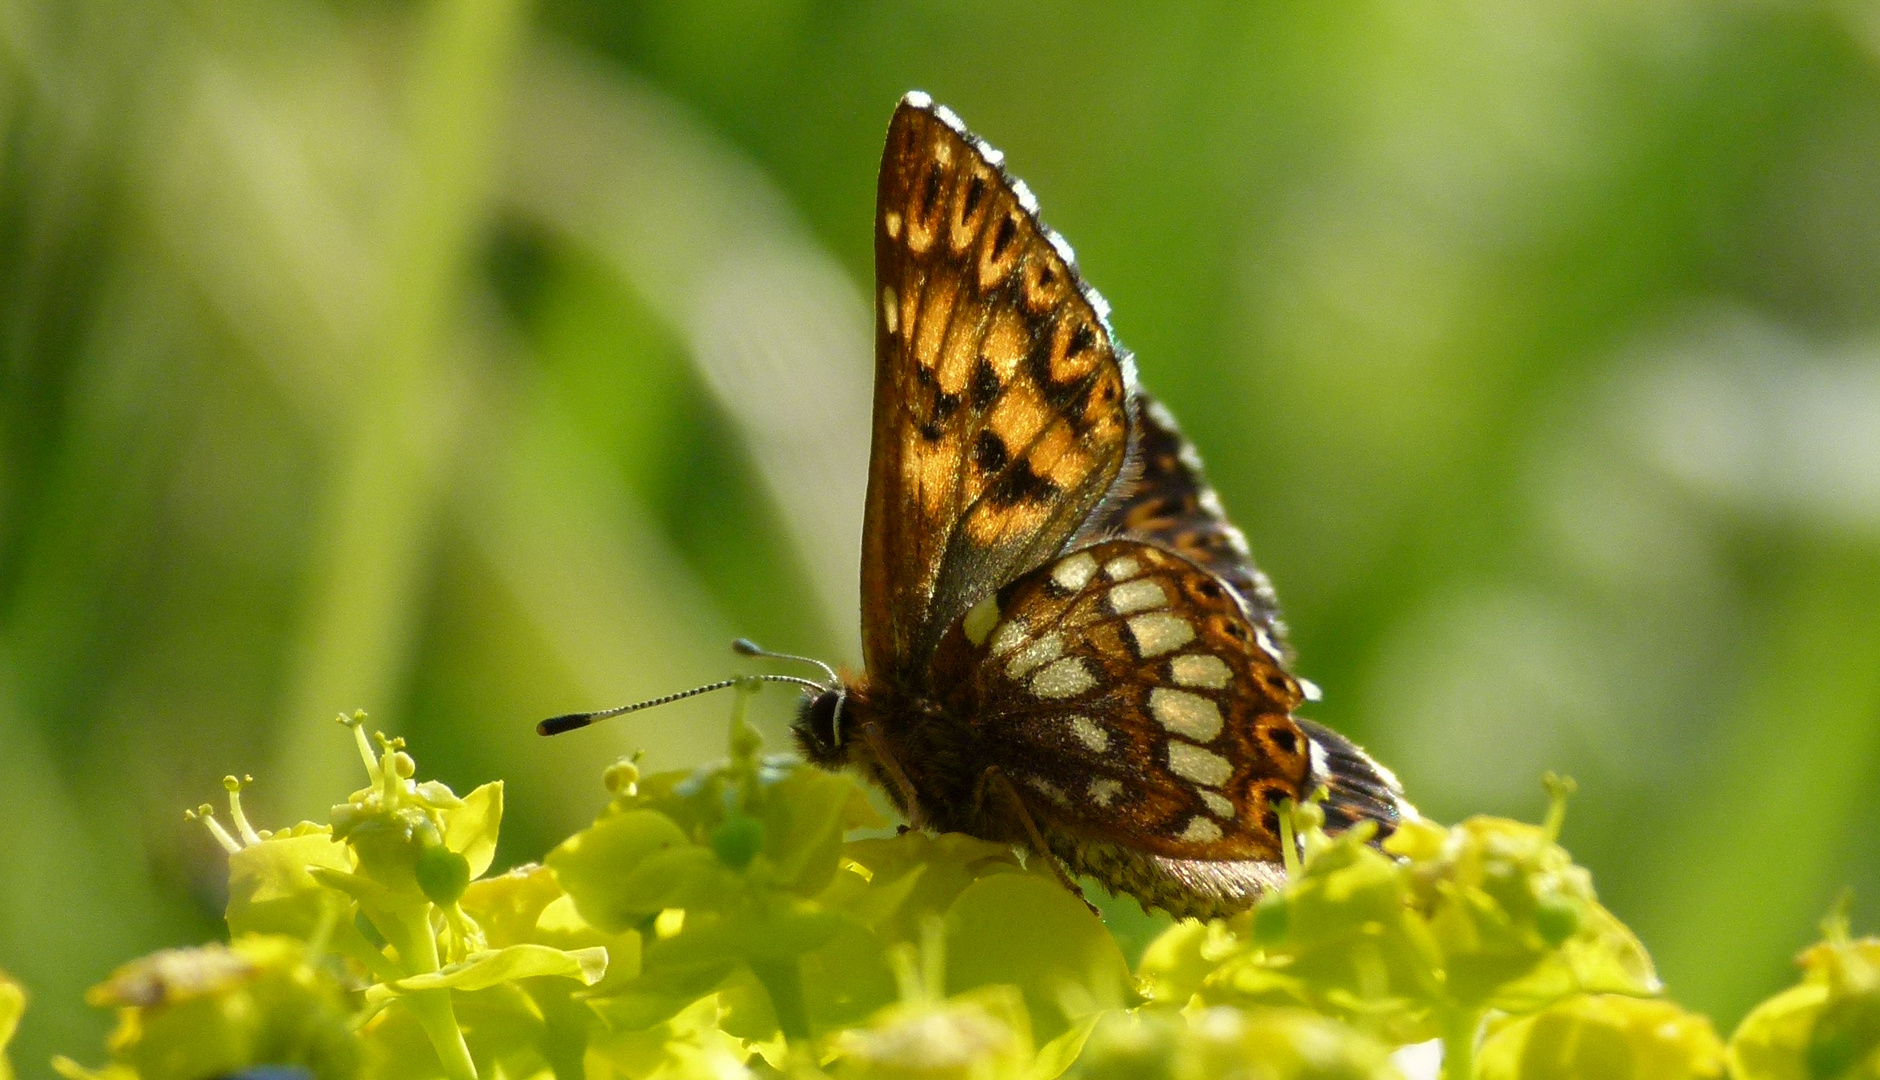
[1357,787]
[1001,410]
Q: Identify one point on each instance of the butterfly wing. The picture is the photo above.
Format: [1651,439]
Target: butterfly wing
[1126,694]
[1163,498]
[1001,402]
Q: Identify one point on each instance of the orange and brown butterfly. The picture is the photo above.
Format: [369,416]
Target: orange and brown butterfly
[1067,646]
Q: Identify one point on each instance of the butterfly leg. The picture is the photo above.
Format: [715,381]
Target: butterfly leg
[996,777]
[878,746]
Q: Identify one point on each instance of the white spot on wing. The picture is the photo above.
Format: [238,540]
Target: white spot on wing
[1009,636]
[1159,632]
[980,620]
[1201,766]
[1049,790]
[1075,572]
[890,309]
[992,154]
[1218,805]
[1063,678]
[1159,413]
[1188,715]
[1029,658]
[1134,596]
[1321,768]
[950,118]
[1211,502]
[1200,831]
[1104,791]
[919,99]
[1200,669]
[1123,566]
[1102,308]
[1089,732]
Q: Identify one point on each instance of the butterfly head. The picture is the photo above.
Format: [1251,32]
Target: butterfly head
[823,716]
[822,726]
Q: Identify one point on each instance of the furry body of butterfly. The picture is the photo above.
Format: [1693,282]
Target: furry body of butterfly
[1067,645]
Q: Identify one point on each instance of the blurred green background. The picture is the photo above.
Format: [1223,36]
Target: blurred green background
[470,360]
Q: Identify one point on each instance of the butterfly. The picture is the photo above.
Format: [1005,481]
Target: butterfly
[1067,646]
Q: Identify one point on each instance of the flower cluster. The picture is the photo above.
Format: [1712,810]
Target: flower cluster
[720,923]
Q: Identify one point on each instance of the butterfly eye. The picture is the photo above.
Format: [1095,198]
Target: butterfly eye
[817,719]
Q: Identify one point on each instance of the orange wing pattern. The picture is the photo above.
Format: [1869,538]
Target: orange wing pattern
[1001,402]
[1126,694]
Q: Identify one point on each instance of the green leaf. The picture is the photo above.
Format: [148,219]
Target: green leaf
[604,868]
[494,966]
[1056,1056]
[660,994]
[270,888]
[806,814]
[1602,1037]
[1350,945]
[847,978]
[1026,930]
[941,867]
[509,906]
[471,828]
[1177,962]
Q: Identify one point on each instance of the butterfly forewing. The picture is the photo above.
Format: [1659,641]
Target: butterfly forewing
[1124,692]
[1001,407]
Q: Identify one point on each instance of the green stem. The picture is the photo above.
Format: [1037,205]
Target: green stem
[439,1020]
[784,980]
[418,953]
[1459,1027]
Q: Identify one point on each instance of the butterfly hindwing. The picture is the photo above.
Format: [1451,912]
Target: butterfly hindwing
[1123,691]
[1001,405]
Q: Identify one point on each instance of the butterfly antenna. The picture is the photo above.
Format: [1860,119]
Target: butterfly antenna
[555,725]
[747,647]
